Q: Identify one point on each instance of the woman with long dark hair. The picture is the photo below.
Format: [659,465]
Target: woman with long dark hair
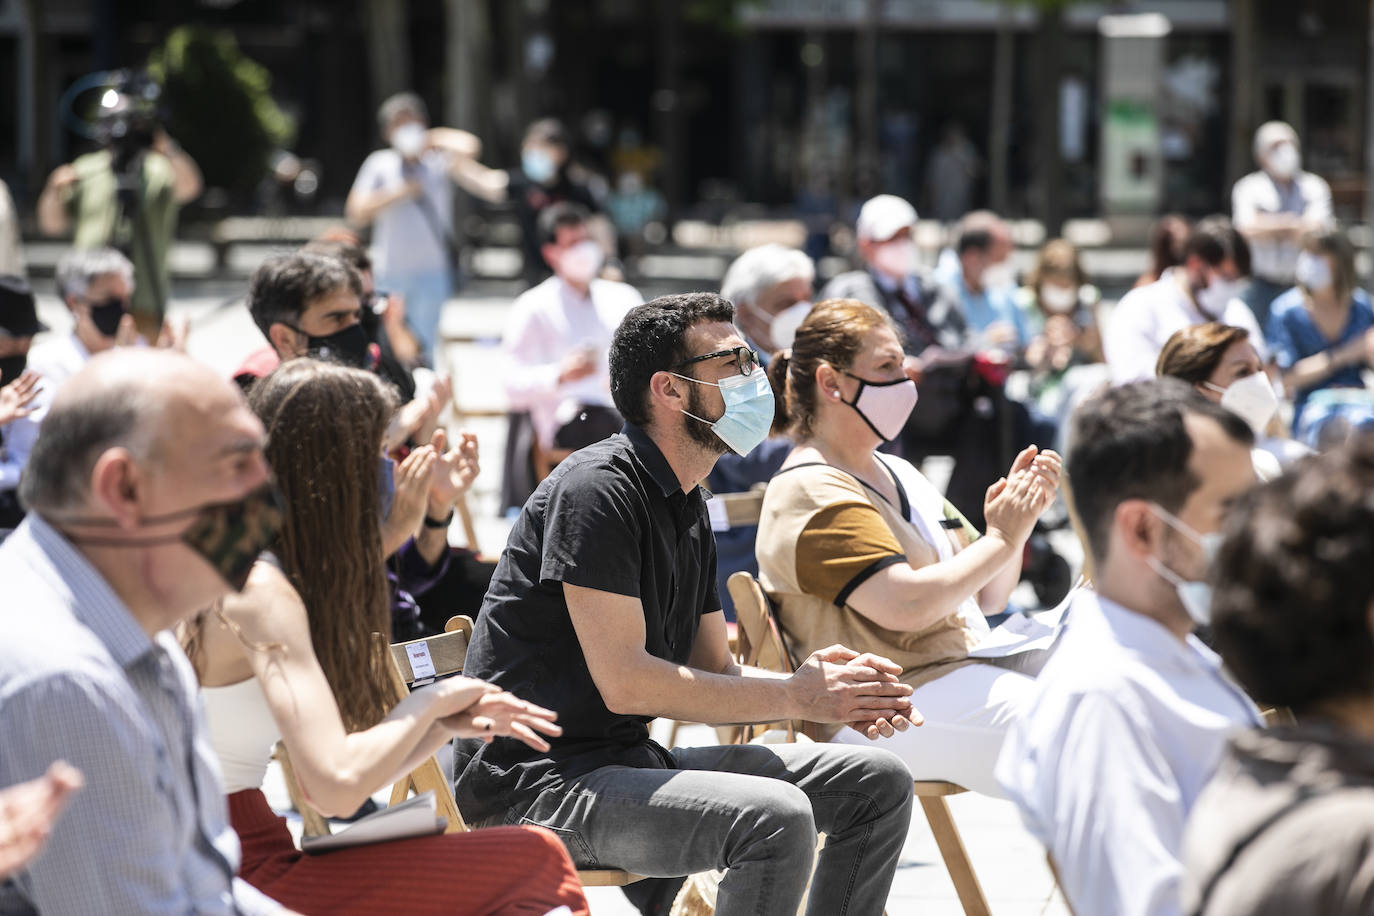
[301,655]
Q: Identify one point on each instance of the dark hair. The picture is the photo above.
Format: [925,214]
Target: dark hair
[1131,443]
[351,253]
[974,239]
[284,286]
[1193,353]
[325,424]
[1168,236]
[1293,583]
[549,131]
[562,215]
[399,104]
[833,333]
[1333,243]
[653,338]
[1214,240]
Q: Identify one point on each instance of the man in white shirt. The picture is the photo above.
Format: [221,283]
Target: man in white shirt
[97,284]
[1130,716]
[559,334]
[1272,208]
[1205,287]
[404,192]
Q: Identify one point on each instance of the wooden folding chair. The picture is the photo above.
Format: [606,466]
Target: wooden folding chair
[762,645]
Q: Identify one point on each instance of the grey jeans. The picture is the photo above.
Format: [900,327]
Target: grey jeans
[754,810]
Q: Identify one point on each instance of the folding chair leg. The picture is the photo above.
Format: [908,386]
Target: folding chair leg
[955,855]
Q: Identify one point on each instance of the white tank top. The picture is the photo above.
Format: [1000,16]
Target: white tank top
[242,732]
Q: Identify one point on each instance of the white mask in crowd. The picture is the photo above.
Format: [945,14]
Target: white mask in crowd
[1214,298]
[896,258]
[581,263]
[1252,399]
[1284,161]
[999,275]
[782,327]
[1196,597]
[1313,272]
[409,139]
[884,406]
[1058,299]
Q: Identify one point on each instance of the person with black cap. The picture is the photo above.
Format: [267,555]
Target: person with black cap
[18,325]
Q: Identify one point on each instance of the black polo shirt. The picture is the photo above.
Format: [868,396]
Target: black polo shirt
[611,517]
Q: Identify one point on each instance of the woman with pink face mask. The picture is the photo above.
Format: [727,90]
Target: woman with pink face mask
[857,547]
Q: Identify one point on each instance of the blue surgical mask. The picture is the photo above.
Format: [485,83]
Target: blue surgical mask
[748,410]
[386,483]
[1196,597]
[538,165]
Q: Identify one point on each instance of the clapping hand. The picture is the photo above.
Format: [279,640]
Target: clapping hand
[1014,502]
[453,472]
[16,397]
[412,494]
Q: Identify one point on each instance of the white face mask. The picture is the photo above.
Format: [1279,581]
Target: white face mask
[409,139]
[999,275]
[1058,299]
[1196,597]
[1313,272]
[1284,161]
[782,327]
[581,263]
[1252,398]
[1214,298]
[896,258]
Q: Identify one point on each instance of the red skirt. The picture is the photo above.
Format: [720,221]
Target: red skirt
[516,870]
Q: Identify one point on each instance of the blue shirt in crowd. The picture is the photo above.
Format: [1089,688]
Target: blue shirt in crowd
[1293,336]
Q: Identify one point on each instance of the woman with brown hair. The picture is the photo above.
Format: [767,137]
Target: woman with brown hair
[301,655]
[857,548]
[1220,362]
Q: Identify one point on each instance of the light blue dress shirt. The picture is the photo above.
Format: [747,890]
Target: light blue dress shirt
[1126,726]
[80,680]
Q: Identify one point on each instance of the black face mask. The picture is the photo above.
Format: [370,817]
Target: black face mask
[371,317]
[106,315]
[348,347]
[12,366]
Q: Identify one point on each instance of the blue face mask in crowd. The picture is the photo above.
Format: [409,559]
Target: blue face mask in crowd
[538,166]
[386,483]
[1196,597]
[748,410]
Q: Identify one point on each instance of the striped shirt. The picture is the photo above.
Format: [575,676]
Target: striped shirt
[81,680]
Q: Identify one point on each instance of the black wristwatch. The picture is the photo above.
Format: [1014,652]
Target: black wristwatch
[439,522]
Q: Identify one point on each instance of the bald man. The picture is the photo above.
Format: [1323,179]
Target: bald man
[148,498]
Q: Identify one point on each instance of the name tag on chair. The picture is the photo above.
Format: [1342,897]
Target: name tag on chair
[421,665]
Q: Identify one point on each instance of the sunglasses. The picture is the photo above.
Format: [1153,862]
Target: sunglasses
[746,360]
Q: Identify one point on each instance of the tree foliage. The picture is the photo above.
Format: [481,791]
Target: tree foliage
[220,106]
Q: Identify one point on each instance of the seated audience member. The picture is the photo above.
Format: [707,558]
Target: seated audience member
[770,287]
[148,496]
[1322,331]
[294,657]
[985,285]
[604,603]
[1204,288]
[558,334]
[19,396]
[856,547]
[1219,361]
[1168,236]
[28,812]
[1127,720]
[1287,823]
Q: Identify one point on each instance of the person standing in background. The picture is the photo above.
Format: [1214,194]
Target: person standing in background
[1272,208]
[11,249]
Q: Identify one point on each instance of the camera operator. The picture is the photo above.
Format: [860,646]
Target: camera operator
[126,194]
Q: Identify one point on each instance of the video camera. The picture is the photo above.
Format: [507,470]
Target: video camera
[129,116]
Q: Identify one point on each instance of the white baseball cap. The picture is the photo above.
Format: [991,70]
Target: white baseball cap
[884,216]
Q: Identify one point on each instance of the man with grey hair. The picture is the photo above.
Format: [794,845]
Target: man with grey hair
[149,499]
[1272,208]
[97,285]
[771,288]
[404,193]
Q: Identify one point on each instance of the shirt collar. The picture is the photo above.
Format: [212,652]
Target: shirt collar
[93,601]
[652,458]
[1151,640]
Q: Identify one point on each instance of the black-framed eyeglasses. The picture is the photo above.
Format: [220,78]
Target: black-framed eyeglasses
[746,360]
